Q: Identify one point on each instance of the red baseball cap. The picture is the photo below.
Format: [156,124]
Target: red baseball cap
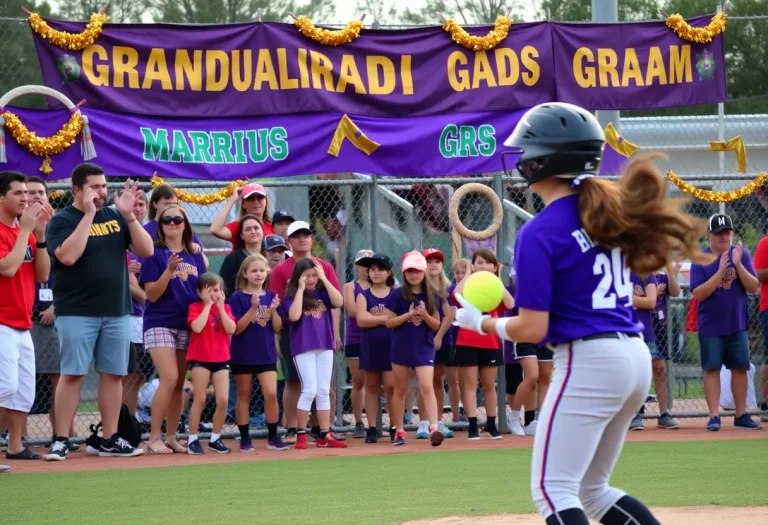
[253,188]
[414,261]
[433,253]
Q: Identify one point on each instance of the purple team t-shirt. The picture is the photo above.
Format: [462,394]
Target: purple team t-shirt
[151,229]
[352,332]
[256,345]
[314,331]
[585,288]
[509,346]
[725,311]
[645,316]
[170,310]
[137,309]
[413,342]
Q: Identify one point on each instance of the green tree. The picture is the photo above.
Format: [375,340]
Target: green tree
[228,11]
[581,10]
[464,11]
[18,62]
[381,11]
[120,11]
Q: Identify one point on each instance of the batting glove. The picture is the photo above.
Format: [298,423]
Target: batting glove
[468,316]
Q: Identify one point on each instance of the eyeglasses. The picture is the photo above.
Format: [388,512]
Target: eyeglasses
[175,220]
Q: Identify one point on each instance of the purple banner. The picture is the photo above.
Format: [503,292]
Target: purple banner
[260,69]
[289,145]
[636,66]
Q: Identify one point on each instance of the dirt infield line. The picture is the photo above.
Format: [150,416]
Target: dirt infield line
[692,430]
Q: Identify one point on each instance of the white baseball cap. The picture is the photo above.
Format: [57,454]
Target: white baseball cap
[298,226]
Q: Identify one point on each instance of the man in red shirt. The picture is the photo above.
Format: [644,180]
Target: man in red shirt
[301,240]
[22,232]
[761,266]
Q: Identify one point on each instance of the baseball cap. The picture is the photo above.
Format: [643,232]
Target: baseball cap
[414,261]
[433,253]
[253,188]
[362,257]
[281,216]
[381,259]
[274,241]
[298,226]
[720,222]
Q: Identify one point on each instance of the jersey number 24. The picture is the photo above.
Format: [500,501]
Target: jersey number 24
[615,280]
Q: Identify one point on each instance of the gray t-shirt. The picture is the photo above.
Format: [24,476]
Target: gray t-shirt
[97,284]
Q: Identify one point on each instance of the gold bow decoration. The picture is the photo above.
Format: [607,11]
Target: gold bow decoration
[620,145]
[349,130]
[202,199]
[735,144]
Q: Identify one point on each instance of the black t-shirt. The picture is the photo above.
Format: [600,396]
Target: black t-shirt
[229,269]
[97,284]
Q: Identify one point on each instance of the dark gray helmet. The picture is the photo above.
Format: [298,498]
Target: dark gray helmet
[555,140]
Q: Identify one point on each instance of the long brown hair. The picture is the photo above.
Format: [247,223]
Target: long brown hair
[430,294]
[186,236]
[267,217]
[241,224]
[634,215]
[489,256]
[293,285]
[164,191]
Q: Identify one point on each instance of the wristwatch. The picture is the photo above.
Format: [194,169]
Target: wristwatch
[42,244]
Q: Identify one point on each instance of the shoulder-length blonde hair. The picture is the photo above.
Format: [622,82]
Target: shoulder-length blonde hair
[186,236]
[241,281]
[267,217]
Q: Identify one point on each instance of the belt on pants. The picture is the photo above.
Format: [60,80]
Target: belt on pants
[610,335]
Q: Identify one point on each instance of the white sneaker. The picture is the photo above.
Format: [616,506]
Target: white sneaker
[530,428]
[515,426]
[423,430]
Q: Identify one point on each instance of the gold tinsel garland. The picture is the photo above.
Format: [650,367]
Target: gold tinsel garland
[700,35]
[44,146]
[64,40]
[203,199]
[718,196]
[326,36]
[55,194]
[479,43]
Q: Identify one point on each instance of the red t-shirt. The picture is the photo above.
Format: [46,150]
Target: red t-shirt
[17,292]
[212,344]
[473,339]
[760,261]
[281,275]
[237,242]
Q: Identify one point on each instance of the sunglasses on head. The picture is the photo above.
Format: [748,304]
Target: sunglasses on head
[175,220]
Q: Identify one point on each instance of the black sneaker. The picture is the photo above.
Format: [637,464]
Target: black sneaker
[371,435]
[493,431]
[392,432]
[474,434]
[219,446]
[314,433]
[58,451]
[195,448]
[73,447]
[117,447]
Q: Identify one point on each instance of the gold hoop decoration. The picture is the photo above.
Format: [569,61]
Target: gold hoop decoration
[479,43]
[700,35]
[718,196]
[70,41]
[45,146]
[202,199]
[485,191]
[327,37]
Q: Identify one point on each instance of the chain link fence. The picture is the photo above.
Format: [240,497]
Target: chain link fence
[350,211]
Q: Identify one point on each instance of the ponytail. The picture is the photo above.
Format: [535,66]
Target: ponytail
[634,215]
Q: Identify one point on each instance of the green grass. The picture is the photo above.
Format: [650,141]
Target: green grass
[372,490]
[88,406]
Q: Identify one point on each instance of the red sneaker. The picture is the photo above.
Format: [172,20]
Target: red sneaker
[301,441]
[330,442]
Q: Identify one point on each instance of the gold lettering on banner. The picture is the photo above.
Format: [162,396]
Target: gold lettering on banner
[631,67]
[467,70]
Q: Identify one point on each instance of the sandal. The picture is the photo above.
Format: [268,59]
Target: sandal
[176,447]
[24,454]
[154,449]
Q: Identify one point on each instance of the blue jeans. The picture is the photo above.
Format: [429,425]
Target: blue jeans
[103,340]
[731,350]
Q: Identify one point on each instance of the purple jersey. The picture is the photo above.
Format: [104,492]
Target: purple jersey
[453,332]
[314,330]
[509,346]
[662,292]
[413,342]
[352,330]
[256,345]
[585,288]
[644,315]
[375,342]
[137,309]
[170,310]
[725,311]
[151,229]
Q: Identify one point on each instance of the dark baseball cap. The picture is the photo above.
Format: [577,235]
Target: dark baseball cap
[281,216]
[272,242]
[379,259]
[720,222]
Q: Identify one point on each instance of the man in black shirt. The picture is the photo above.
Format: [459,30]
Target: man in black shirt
[92,300]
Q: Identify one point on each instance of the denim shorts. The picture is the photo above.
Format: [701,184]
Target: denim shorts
[731,350]
[656,353]
[103,340]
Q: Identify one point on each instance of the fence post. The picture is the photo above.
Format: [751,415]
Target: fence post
[721,131]
[501,387]
[373,191]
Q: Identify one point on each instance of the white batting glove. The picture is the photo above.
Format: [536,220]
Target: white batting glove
[468,316]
